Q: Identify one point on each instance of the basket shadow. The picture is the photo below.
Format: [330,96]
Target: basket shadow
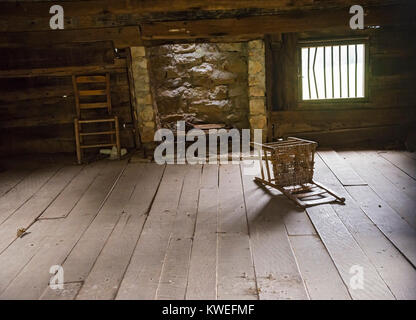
[270,209]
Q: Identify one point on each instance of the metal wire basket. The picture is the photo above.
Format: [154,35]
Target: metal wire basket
[287,165]
[292,161]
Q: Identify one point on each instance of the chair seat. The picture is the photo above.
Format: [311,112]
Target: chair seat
[109,119]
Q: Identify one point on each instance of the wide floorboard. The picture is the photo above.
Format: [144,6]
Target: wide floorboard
[128,230]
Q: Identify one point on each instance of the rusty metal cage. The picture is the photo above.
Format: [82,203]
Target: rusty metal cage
[288,165]
[292,161]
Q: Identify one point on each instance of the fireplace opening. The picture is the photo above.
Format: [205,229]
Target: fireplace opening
[203,84]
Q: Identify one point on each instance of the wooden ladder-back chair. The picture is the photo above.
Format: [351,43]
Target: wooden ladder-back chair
[82,120]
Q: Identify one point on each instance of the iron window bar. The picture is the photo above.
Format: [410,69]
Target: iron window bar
[348,89]
[314,74]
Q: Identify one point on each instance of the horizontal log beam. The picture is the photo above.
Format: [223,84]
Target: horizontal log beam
[122,37]
[288,22]
[376,137]
[288,122]
[34,16]
[212,30]
[119,65]
[36,9]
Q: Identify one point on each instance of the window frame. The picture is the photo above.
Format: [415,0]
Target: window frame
[312,43]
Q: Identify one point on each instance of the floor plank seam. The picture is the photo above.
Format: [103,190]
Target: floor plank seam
[193,233]
[398,214]
[390,179]
[51,218]
[171,234]
[380,154]
[20,270]
[335,264]
[362,244]
[349,232]
[329,254]
[217,248]
[383,233]
[116,180]
[97,213]
[297,262]
[163,266]
[59,193]
[146,214]
[376,269]
[336,175]
[31,170]
[297,265]
[95,261]
[79,199]
[249,234]
[76,202]
[40,187]
[362,249]
[13,186]
[36,218]
[392,188]
[217,255]
[292,259]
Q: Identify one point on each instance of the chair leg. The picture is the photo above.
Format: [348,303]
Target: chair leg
[111,129]
[78,147]
[117,129]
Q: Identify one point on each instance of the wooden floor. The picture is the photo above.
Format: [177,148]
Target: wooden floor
[125,230]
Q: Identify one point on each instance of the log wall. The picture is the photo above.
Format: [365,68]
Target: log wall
[385,118]
[37,104]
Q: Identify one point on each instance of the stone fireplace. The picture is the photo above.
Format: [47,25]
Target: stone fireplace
[201,83]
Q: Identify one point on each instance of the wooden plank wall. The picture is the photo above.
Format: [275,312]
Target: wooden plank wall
[37,104]
[385,118]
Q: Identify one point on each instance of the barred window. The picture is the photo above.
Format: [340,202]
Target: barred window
[333,71]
